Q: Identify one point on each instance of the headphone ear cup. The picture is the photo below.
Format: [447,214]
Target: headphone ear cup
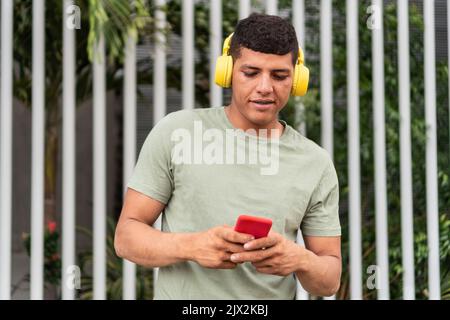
[301,79]
[224,69]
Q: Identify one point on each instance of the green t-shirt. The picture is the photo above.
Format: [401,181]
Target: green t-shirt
[214,181]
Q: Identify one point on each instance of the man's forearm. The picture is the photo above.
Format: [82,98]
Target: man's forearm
[320,275]
[147,246]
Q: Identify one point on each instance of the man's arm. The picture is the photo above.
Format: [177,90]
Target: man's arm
[136,240]
[322,274]
[317,266]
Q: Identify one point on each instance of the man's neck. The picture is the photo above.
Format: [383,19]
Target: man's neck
[239,121]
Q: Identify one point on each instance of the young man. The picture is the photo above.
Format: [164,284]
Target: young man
[188,171]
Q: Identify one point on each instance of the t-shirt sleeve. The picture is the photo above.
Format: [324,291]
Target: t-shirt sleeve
[322,215]
[153,174]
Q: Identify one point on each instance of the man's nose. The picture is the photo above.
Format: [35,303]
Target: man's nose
[265,85]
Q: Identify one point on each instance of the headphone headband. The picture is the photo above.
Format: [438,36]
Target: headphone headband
[227,45]
[301,57]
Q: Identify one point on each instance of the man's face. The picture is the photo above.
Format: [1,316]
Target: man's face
[261,85]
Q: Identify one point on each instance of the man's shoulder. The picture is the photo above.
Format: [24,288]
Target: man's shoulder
[185,118]
[306,146]
[178,117]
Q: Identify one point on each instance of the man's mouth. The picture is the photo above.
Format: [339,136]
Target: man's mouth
[263,102]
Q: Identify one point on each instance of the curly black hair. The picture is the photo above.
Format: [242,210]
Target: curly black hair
[264,33]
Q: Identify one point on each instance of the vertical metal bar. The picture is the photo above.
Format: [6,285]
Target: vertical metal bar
[405,151]
[326,79]
[215,40]
[301,294]
[6,148]
[298,17]
[37,153]
[298,21]
[188,54]
[431,153]
[159,76]
[99,174]
[245,7]
[129,150]
[353,158]
[272,7]
[448,65]
[159,79]
[326,75]
[380,153]
[68,157]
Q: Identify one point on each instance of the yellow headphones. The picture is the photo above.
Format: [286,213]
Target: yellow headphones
[224,69]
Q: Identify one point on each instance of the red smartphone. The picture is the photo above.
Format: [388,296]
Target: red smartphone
[256,226]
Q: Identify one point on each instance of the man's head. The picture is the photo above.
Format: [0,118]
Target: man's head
[264,50]
[264,33]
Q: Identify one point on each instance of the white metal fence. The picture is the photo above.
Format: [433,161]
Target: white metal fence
[159,109]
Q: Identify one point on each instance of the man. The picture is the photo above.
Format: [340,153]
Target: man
[202,190]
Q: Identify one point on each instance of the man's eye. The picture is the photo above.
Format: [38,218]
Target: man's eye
[279,77]
[250,74]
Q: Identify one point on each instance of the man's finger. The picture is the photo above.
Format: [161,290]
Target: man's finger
[261,243]
[251,256]
[262,264]
[233,247]
[230,246]
[236,237]
[228,265]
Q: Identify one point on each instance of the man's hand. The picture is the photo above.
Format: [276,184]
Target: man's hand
[212,248]
[273,254]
